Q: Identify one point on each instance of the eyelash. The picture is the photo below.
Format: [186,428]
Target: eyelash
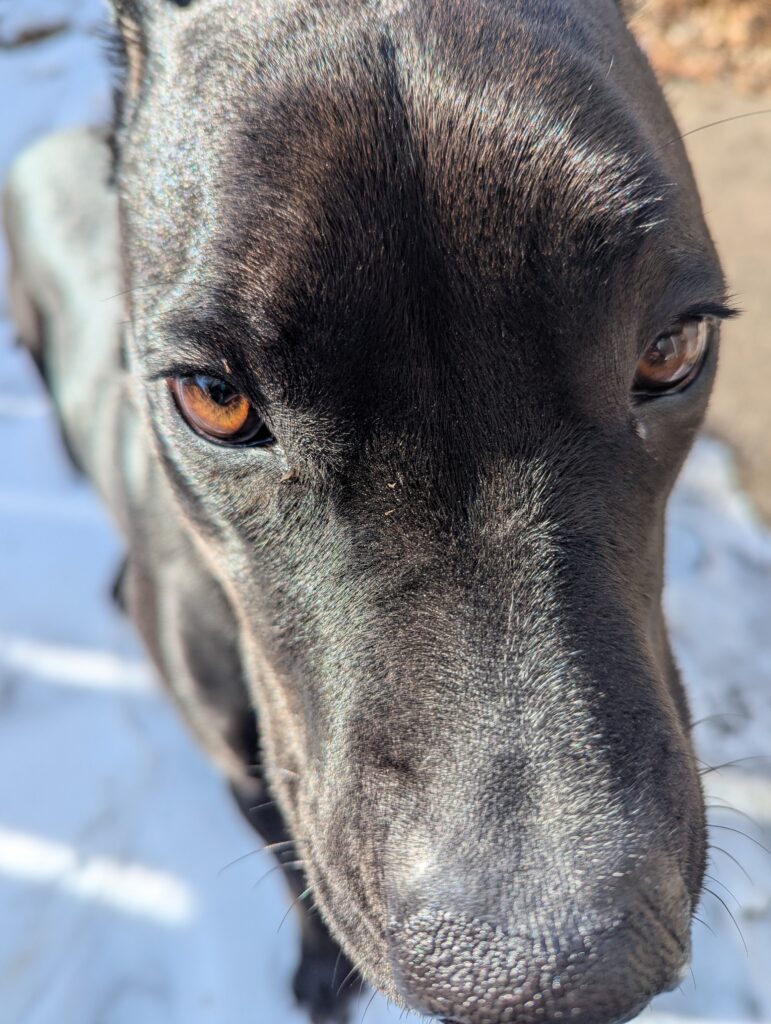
[190,370]
[181,369]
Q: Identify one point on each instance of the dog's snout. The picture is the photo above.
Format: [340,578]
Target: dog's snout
[596,958]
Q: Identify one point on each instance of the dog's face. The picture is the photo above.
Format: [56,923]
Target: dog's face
[425,316]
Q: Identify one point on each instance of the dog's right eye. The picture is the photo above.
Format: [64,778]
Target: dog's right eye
[216,411]
[673,360]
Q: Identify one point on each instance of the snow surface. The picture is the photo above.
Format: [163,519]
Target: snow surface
[122,896]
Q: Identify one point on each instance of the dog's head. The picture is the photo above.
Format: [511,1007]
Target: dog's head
[425,315]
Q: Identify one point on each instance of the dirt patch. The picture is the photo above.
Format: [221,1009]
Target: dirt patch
[704,40]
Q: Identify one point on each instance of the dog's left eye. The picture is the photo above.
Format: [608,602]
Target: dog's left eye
[673,360]
[218,412]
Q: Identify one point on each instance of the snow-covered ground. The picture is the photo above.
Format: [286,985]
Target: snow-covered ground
[122,896]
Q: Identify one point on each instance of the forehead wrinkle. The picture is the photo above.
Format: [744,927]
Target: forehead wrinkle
[499,172]
[213,338]
[391,195]
[547,151]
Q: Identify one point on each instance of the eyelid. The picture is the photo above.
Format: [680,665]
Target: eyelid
[218,373]
[706,311]
[188,370]
[712,311]
[718,310]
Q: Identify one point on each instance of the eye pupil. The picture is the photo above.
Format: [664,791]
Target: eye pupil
[216,411]
[664,350]
[219,391]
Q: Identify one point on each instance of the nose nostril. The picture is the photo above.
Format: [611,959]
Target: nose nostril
[462,970]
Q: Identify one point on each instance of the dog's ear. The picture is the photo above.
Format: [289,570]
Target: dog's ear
[131,48]
[134,19]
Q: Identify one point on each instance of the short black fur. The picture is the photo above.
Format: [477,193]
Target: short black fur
[429,242]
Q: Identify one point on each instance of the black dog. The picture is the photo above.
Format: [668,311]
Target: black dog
[424,318]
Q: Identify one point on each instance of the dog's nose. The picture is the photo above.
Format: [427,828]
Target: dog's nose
[552,958]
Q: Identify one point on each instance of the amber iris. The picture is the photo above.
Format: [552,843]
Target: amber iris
[217,411]
[674,359]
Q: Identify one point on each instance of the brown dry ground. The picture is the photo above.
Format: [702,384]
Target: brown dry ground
[724,49]
[706,39]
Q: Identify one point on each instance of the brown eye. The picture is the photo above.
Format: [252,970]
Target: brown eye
[673,360]
[217,411]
